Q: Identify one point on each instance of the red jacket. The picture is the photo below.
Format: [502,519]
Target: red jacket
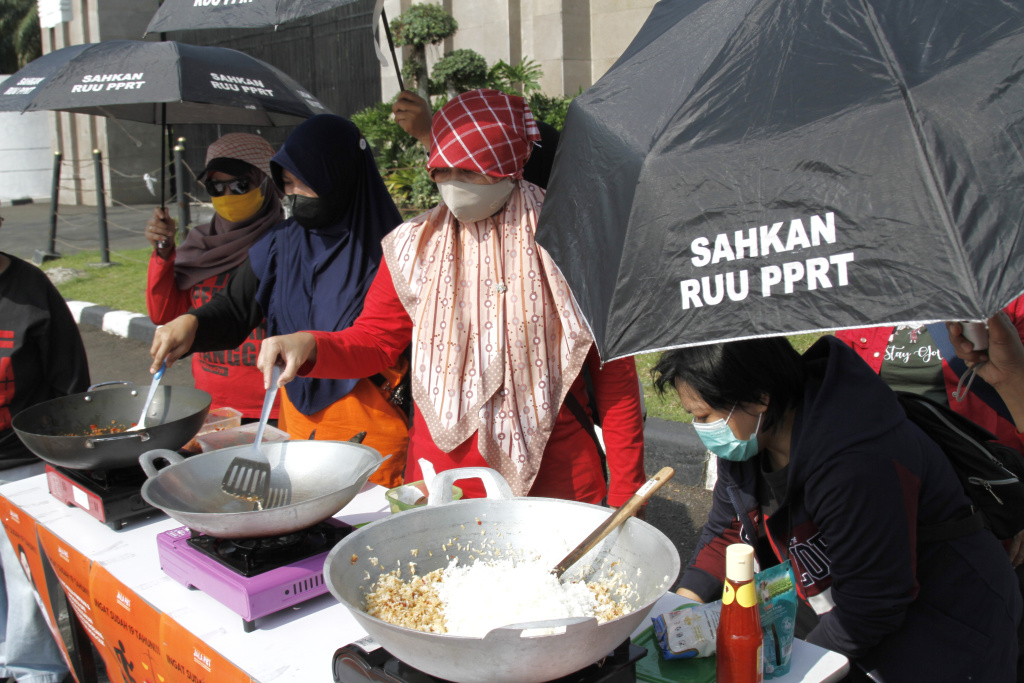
[870,343]
[230,377]
[570,468]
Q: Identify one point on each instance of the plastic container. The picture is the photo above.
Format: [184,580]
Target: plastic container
[217,420]
[239,436]
[405,498]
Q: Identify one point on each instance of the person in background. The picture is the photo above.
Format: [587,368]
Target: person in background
[312,271]
[497,341]
[412,114]
[921,359]
[818,465]
[41,357]
[246,205]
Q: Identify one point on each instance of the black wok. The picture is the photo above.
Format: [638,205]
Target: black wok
[58,430]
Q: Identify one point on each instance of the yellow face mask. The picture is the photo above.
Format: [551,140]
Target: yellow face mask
[235,208]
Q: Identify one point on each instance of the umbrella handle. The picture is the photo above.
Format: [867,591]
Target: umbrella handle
[391,44]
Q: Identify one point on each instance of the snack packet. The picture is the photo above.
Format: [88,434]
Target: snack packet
[688,633]
[777,604]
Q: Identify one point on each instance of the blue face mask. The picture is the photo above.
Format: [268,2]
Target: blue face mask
[719,439]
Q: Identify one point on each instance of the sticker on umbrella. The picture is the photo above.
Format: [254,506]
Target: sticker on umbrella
[24,86]
[807,273]
[101,82]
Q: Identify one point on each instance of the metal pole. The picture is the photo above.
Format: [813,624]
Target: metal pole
[101,206]
[50,252]
[391,44]
[182,189]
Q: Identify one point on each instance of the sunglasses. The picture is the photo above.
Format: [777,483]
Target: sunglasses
[219,188]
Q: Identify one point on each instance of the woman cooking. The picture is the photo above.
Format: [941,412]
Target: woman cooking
[818,464]
[246,205]
[497,341]
[312,272]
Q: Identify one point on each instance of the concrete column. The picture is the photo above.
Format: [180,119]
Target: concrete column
[613,24]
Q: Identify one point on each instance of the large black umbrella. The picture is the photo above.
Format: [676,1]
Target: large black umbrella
[759,167]
[183,15]
[165,82]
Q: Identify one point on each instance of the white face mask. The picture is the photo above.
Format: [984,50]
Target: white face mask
[470,202]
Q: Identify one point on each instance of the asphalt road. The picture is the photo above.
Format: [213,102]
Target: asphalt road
[676,509]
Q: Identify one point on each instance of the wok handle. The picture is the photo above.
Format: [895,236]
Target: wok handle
[110,384]
[141,436]
[149,458]
[494,484]
[614,520]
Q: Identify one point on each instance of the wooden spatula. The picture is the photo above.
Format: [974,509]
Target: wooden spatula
[614,520]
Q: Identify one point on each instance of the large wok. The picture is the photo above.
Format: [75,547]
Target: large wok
[320,477]
[543,526]
[58,430]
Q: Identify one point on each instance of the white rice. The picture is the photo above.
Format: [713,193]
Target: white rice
[488,594]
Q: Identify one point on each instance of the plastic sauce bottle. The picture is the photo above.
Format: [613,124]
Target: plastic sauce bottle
[739,638]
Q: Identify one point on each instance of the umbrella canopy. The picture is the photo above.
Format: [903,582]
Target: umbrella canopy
[181,15]
[139,80]
[763,167]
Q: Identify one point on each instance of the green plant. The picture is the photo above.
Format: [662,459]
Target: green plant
[417,27]
[20,36]
[459,71]
[550,110]
[521,79]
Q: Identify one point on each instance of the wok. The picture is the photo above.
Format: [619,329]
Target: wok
[536,526]
[58,430]
[319,477]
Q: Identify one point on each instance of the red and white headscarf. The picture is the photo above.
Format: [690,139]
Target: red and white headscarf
[484,131]
[497,337]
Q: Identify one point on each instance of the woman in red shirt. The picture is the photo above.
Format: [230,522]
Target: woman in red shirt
[247,204]
[497,341]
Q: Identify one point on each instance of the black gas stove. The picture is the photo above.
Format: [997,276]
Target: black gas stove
[111,496]
[353,664]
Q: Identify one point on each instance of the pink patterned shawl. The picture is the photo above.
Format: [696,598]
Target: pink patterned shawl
[497,337]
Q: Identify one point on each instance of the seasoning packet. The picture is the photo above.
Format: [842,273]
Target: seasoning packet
[777,604]
[689,632]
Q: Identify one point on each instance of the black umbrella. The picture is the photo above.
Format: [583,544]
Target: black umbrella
[763,167]
[140,81]
[162,83]
[185,15]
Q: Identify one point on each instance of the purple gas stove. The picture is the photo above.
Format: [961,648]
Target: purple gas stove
[252,577]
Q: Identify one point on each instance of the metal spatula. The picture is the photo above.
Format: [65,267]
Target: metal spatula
[248,477]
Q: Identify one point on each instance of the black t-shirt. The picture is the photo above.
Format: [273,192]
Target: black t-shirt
[41,351]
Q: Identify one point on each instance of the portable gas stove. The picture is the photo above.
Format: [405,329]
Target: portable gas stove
[111,496]
[252,577]
[353,664]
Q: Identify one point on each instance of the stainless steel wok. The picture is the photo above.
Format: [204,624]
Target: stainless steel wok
[543,526]
[321,477]
[58,430]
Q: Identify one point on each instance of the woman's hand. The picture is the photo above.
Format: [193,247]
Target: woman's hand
[290,350]
[1001,364]
[173,340]
[160,230]
[413,115]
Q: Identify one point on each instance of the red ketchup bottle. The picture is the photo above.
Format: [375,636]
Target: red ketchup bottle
[739,639]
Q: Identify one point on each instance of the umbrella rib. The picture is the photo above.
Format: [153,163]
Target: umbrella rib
[934,186]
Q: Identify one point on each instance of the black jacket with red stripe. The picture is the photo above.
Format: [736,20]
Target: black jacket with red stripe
[861,479]
[41,352]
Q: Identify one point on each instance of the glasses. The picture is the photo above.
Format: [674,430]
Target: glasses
[219,188]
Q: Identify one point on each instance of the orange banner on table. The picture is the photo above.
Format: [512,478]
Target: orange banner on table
[189,660]
[72,571]
[21,530]
[130,627]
